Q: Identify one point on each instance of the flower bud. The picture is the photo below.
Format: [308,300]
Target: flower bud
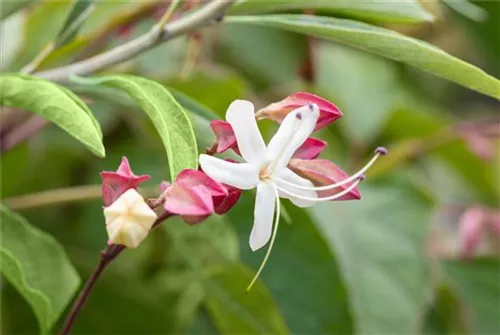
[129,219]
[278,110]
[471,225]
[322,172]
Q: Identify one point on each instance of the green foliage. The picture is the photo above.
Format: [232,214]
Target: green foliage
[386,43]
[38,267]
[56,104]
[384,261]
[76,18]
[378,11]
[235,312]
[477,283]
[383,265]
[172,123]
[10,7]
[302,273]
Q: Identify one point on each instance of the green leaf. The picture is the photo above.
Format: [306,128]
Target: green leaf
[478,285]
[79,13]
[317,292]
[9,7]
[169,118]
[37,266]
[380,244]
[54,103]
[268,57]
[352,72]
[396,12]
[235,312]
[467,9]
[386,43]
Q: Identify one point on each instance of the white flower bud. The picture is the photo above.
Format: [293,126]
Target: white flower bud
[129,219]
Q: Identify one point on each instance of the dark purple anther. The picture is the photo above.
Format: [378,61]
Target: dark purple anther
[298,116]
[362,177]
[382,150]
[311,106]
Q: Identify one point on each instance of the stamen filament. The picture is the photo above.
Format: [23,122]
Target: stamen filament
[271,243]
[332,197]
[340,183]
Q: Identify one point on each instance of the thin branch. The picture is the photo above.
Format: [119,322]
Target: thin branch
[192,21]
[60,196]
[23,132]
[168,14]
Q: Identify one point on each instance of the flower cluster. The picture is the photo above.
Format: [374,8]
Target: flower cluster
[288,167]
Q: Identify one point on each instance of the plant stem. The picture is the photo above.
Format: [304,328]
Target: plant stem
[35,63]
[168,14]
[192,21]
[107,256]
[23,132]
[111,252]
[58,196]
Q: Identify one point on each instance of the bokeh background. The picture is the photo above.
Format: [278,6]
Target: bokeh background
[394,262]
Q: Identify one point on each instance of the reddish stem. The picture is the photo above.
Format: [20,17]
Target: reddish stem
[106,257]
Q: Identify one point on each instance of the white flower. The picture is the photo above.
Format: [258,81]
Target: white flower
[265,168]
[129,219]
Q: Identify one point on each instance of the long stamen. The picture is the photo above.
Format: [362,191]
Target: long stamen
[332,197]
[379,152]
[271,243]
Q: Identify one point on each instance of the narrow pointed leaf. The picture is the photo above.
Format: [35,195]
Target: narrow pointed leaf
[386,43]
[38,267]
[79,13]
[380,11]
[55,103]
[169,118]
[9,7]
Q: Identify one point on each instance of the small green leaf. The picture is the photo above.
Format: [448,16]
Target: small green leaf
[38,267]
[169,118]
[79,13]
[235,312]
[383,42]
[381,11]
[54,103]
[467,9]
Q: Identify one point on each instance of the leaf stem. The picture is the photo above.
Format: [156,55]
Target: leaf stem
[168,14]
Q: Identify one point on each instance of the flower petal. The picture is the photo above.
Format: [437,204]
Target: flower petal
[241,117]
[188,200]
[265,203]
[191,178]
[224,135]
[311,148]
[291,177]
[322,172]
[279,110]
[293,132]
[244,176]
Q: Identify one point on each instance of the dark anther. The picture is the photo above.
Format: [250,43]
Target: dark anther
[298,116]
[311,106]
[219,18]
[381,150]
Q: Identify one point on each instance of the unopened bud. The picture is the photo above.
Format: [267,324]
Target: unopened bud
[129,219]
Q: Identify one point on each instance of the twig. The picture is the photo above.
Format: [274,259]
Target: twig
[111,252]
[23,132]
[59,196]
[168,14]
[186,24]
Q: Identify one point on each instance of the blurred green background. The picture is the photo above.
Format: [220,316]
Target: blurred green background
[387,264]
